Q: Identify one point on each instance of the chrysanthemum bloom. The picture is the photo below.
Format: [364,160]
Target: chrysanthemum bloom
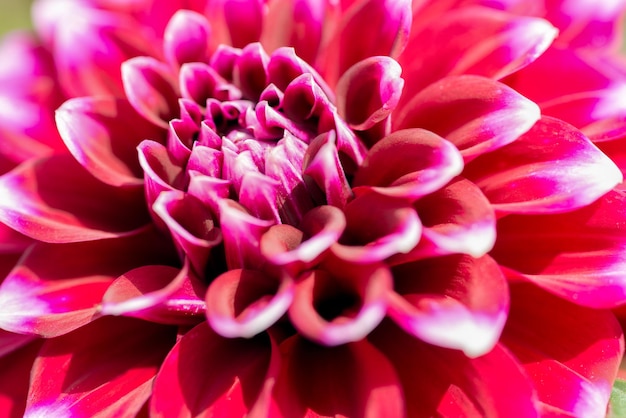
[302,207]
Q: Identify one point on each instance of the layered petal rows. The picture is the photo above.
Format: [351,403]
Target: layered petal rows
[290,208]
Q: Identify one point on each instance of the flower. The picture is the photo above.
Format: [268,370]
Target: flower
[299,207]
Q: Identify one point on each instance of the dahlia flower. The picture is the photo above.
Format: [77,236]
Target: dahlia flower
[293,208]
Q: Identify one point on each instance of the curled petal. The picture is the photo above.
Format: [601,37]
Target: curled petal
[208,190]
[187,38]
[38,298]
[375,392]
[409,164]
[571,353]
[206,375]
[103,369]
[102,134]
[567,173]
[192,226]
[369,91]
[56,200]
[156,293]
[161,173]
[465,308]
[476,114]
[151,89]
[244,303]
[244,19]
[341,302]
[580,255]
[377,227]
[299,248]
[250,69]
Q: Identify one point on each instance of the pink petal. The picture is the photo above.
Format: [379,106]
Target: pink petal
[476,114]
[340,302]
[187,38]
[473,40]
[107,40]
[571,353]
[250,69]
[464,309]
[56,200]
[392,20]
[103,134]
[103,369]
[568,173]
[442,382]
[192,226]
[14,380]
[161,172]
[38,298]
[393,227]
[244,19]
[206,375]
[578,255]
[156,293]
[352,380]
[244,303]
[408,164]
[151,89]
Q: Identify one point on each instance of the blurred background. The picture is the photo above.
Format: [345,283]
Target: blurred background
[14,14]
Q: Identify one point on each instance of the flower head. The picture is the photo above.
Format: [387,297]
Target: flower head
[299,207]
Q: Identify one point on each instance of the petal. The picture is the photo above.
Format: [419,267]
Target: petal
[206,375]
[56,200]
[352,380]
[457,218]
[567,173]
[393,226]
[476,114]
[474,40]
[187,38]
[156,293]
[244,19]
[15,378]
[465,308]
[151,89]
[192,226]
[369,91]
[161,172]
[102,134]
[103,369]
[392,23]
[340,302]
[244,303]
[571,353]
[580,256]
[250,70]
[441,382]
[38,297]
[409,164]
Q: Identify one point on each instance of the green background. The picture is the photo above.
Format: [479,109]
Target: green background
[14,14]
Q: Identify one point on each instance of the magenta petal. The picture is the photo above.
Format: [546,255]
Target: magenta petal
[244,303]
[340,302]
[369,91]
[151,89]
[14,379]
[38,299]
[409,164]
[244,19]
[206,375]
[103,134]
[161,173]
[156,293]
[568,173]
[578,255]
[465,308]
[571,353]
[187,38]
[103,369]
[192,226]
[476,114]
[56,200]
[442,382]
[250,69]
[355,379]
[393,227]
